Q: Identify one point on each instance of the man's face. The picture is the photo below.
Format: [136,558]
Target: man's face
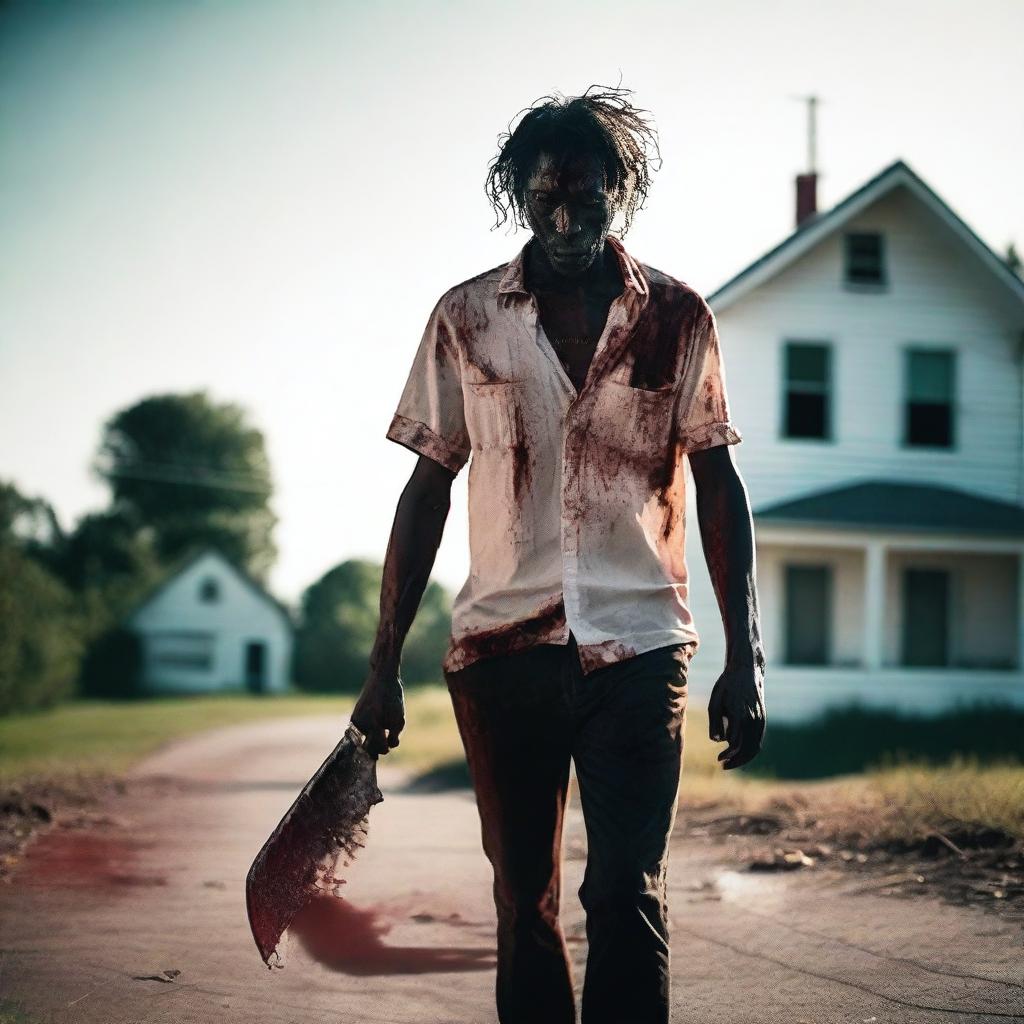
[570,210]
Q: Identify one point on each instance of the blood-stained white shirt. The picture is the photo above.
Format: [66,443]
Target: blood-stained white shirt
[576,501]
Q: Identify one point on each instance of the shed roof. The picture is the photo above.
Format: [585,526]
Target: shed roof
[190,558]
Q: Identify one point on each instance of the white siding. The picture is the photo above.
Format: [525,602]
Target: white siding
[175,619]
[938,295]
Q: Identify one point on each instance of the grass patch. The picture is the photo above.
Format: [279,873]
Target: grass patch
[85,738]
[885,771]
[878,772]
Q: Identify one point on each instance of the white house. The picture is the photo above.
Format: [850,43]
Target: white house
[210,627]
[875,367]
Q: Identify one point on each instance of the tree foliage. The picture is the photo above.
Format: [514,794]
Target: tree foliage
[192,471]
[40,630]
[339,618]
[1013,260]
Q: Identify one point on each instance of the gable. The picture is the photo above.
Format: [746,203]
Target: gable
[950,231]
[208,591]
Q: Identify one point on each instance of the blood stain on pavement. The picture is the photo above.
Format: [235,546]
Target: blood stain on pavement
[349,939]
[74,858]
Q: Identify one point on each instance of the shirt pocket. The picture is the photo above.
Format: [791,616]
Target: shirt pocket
[492,417]
[633,421]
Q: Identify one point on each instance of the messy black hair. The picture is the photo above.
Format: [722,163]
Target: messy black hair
[601,122]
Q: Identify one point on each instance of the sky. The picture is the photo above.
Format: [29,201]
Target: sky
[264,199]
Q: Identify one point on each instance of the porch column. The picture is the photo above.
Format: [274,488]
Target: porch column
[1020,611]
[874,604]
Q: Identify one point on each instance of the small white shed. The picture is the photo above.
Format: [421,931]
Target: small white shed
[208,628]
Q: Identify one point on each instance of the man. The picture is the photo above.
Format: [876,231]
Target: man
[575,379]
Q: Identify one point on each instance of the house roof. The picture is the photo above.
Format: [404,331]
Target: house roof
[820,225]
[886,503]
[190,558]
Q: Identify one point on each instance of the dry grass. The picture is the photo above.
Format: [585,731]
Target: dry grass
[901,802]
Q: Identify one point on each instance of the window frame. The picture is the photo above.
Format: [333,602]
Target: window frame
[830,391]
[883,282]
[202,663]
[954,406]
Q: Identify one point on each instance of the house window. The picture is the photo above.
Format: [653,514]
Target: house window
[808,614]
[209,590]
[929,386]
[181,650]
[864,261]
[807,400]
[925,617]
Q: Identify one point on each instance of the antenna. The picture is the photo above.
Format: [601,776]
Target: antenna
[812,133]
[807,182]
[812,130]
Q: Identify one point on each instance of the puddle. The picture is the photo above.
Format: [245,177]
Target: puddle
[767,891]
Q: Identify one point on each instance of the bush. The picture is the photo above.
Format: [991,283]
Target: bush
[112,666]
[339,619]
[40,639]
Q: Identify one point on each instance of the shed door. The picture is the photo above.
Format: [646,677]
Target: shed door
[256,666]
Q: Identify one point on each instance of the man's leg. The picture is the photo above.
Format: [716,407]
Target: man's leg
[514,718]
[628,754]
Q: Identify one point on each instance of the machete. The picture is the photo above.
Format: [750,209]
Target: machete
[321,833]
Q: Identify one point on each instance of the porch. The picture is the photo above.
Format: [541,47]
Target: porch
[914,614]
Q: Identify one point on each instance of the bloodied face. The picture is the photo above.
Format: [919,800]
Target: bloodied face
[570,209]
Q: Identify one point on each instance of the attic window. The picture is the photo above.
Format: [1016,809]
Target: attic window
[209,591]
[864,258]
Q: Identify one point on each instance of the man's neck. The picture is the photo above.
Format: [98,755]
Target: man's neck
[604,274]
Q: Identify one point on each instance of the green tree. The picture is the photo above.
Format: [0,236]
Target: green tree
[29,524]
[109,561]
[40,631]
[192,471]
[339,618]
[427,641]
[1012,259]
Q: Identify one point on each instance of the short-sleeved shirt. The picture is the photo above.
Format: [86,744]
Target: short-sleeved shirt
[577,501]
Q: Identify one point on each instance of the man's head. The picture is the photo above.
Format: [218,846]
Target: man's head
[569,167]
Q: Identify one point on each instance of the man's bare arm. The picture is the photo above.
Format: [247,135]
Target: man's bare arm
[727,535]
[415,537]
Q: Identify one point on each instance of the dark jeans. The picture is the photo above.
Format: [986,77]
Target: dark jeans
[521,718]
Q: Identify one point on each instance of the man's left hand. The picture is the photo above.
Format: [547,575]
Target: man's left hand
[736,712]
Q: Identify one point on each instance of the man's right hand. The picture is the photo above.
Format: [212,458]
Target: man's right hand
[380,711]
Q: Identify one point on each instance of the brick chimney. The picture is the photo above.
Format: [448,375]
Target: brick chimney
[806,196]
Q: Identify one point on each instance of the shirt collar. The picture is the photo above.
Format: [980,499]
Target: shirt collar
[514,278]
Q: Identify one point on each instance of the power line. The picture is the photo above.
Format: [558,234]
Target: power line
[189,475]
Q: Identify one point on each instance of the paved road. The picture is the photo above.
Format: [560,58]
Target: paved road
[93,919]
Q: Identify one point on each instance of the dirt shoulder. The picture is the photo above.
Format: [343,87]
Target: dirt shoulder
[129,905]
[964,865]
